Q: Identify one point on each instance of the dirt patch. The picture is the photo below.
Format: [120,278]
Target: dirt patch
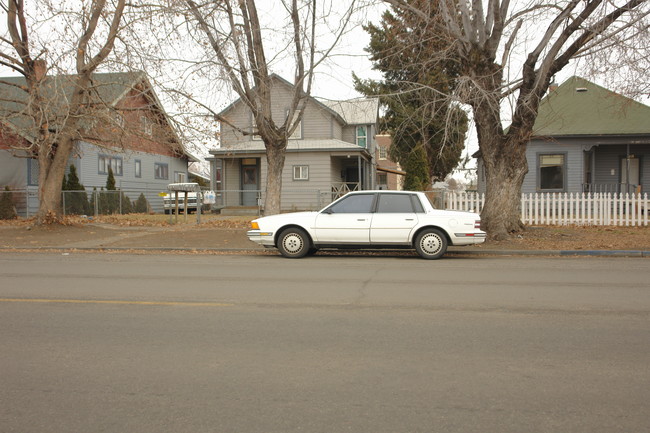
[155,231]
[576,238]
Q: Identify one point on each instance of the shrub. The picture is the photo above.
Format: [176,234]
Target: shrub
[141,205]
[7,207]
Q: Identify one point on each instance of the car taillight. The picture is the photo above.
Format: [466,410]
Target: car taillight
[477,224]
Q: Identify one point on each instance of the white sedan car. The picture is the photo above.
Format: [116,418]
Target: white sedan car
[370,219]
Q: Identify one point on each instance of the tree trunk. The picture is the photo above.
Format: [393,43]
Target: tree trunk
[275,156]
[50,180]
[501,215]
[504,159]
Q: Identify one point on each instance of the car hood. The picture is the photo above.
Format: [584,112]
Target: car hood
[302,216]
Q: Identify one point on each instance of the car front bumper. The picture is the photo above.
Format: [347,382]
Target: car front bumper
[265,239]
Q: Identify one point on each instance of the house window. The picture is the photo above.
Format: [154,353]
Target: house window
[138,168]
[218,176]
[147,126]
[551,173]
[300,172]
[119,119]
[297,134]
[382,179]
[362,136]
[179,177]
[32,171]
[383,152]
[114,162]
[161,171]
[254,129]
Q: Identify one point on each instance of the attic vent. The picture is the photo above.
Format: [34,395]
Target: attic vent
[581,89]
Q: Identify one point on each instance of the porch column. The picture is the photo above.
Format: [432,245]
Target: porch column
[361,186]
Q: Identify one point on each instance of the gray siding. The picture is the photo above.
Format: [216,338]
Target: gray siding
[89,176]
[606,163]
[317,122]
[574,164]
[13,171]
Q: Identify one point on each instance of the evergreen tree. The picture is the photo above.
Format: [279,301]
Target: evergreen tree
[141,205]
[416,115]
[76,203]
[417,175]
[110,200]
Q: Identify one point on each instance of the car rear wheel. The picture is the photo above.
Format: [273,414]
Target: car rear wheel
[294,243]
[431,244]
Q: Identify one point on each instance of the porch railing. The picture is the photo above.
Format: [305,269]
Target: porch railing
[614,188]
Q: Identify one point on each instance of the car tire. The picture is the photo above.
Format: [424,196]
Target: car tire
[431,244]
[294,243]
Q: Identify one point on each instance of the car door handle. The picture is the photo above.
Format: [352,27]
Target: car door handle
[410,219]
[361,219]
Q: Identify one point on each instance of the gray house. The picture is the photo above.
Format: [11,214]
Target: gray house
[587,139]
[331,152]
[130,133]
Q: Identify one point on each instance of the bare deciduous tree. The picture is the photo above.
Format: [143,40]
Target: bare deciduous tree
[53,141]
[238,46]
[489,38]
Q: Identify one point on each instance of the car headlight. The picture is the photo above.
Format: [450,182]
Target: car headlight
[255,225]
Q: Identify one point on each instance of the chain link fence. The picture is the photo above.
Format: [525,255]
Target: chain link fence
[24,203]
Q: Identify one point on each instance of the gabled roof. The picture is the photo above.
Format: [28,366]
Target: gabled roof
[359,111]
[579,107]
[108,88]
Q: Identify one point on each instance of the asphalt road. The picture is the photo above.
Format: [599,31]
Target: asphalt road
[196,343]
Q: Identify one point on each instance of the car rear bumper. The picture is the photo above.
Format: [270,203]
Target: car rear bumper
[471,238]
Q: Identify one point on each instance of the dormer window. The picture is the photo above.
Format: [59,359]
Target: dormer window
[362,136]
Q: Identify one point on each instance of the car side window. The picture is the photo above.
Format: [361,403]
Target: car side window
[395,203]
[417,204]
[358,203]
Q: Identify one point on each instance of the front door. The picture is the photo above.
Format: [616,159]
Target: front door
[249,181]
[347,221]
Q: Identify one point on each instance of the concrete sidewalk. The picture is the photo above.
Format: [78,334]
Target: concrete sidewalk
[98,237]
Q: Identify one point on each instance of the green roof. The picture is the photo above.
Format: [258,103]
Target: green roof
[580,107]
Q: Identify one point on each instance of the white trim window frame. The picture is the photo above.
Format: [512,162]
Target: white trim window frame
[362,136]
[300,172]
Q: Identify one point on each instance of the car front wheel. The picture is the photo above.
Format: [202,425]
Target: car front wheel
[294,243]
[431,244]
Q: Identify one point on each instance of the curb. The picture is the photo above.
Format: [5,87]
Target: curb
[563,253]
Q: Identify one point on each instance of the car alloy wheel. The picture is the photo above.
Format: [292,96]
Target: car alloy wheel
[431,244]
[293,243]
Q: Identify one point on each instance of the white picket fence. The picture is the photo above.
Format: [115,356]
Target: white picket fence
[568,208]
